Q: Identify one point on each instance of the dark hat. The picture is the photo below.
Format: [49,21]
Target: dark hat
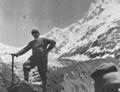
[34,31]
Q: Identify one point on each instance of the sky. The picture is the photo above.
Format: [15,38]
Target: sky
[19,17]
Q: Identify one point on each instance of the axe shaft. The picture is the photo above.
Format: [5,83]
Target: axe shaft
[12,70]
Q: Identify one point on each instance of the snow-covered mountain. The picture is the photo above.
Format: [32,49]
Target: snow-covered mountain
[96,35]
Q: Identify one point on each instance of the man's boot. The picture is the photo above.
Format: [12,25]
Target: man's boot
[44,88]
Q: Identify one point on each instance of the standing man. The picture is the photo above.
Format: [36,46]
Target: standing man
[40,48]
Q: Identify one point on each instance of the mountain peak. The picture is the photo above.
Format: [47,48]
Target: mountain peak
[100,6]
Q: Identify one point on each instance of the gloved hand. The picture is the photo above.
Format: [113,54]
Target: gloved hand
[14,54]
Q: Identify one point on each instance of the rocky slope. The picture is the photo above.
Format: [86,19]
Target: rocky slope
[76,78]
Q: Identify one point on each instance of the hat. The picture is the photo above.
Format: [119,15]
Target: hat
[34,31]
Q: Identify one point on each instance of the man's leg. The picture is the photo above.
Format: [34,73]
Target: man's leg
[26,69]
[26,74]
[43,76]
[42,69]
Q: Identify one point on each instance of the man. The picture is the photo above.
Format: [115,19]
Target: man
[40,48]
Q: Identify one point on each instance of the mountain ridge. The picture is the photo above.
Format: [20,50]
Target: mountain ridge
[96,33]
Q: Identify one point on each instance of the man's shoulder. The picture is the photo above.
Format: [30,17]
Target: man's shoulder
[32,41]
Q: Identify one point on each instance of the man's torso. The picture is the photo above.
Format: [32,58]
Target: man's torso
[39,47]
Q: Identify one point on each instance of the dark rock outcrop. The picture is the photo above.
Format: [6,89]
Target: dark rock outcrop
[106,77]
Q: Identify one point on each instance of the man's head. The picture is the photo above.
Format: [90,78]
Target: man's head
[35,33]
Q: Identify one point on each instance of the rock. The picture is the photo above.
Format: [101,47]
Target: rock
[106,77]
[103,69]
[22,87]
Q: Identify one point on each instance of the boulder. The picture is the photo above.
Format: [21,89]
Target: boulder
[106,77]
[103,69]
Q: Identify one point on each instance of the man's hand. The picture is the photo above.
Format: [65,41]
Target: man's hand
[14,54]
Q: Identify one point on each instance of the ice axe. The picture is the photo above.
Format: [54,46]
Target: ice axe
[10,88]
[13,55]
[12,69]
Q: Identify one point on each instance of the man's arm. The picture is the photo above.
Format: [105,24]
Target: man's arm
[24,50]
[51,44]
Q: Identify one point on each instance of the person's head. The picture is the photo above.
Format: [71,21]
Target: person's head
[35,33]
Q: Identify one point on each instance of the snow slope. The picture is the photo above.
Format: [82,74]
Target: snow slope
[96,35]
